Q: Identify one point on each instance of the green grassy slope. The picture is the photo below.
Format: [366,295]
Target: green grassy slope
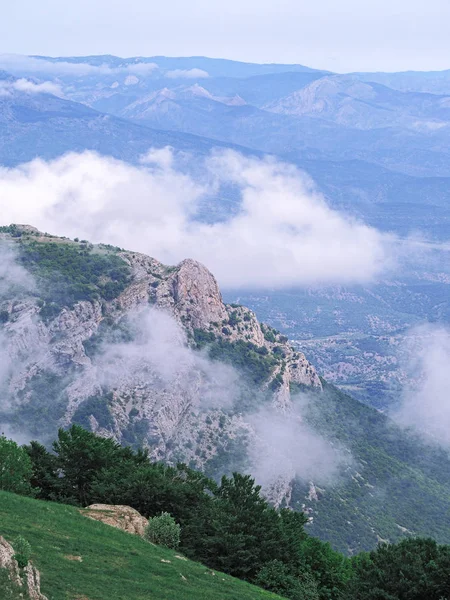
[115,565]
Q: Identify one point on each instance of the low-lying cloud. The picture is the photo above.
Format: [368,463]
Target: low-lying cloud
[19,64]
[13,277]
[7,88]
[425,405]
[286,447]
[283,233]
[187,74]
[158,355]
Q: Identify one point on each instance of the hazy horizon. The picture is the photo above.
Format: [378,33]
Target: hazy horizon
[349,36]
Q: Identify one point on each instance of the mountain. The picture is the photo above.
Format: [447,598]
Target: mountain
[125,346]
[46,126]
[215,67]
[433,82]
[88,559]
[376,148]
[365,105]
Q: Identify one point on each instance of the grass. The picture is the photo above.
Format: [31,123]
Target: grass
[114,565]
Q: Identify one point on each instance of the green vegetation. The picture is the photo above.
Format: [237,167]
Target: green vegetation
[227,526]
[164,531]
[81,558]
[12,230]
[9,590]
[68,272]
[255,362]
[413,569]
[400,483]
[98,407]
[22,551]
[46,404]
[15,467]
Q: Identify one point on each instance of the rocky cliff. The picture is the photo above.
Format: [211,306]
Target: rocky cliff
[160,361]
[27,579]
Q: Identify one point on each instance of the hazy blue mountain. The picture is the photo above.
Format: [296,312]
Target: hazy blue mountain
[215,67]
[435,82]
[44,125]
[365,105]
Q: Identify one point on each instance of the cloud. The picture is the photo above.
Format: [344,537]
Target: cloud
[13,277]
[19,64]
[187,74]
[29,87]
[286,447]
[158,357]
[425,404]
[283,233]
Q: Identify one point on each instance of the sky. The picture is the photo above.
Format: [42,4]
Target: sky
[342,36]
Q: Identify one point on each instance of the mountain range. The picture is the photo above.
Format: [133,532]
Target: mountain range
[376,146]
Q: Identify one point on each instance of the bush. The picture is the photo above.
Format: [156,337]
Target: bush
[164,531]
[23,551]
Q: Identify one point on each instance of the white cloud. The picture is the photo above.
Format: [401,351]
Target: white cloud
[426,401]
[285,447]
[187,74]
[29,87]
[19,64]
[159,357]
[283,235]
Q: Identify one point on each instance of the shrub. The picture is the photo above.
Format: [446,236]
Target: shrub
[22,551]
[164,531]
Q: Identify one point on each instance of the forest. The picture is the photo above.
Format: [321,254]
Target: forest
[226,525]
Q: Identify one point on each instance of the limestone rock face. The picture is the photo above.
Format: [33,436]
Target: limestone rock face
[30,577]
[197,295]
[122,517]
[164,395]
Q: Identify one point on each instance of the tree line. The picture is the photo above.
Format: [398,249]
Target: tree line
[228,526]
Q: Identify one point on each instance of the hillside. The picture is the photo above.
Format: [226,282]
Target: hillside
[127,347]
[79,558]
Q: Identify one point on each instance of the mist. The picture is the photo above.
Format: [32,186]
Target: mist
[13,277]
[286,447]
[7,88]
[18,64]
[425,402]
[158,362]
[158,356]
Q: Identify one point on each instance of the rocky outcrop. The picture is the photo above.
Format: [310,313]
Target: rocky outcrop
[124,518]
[29,577]
[158,391]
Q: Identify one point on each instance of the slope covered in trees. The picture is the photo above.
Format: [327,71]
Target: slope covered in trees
[228,526]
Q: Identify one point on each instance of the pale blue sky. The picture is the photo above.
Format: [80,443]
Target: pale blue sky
[340,35]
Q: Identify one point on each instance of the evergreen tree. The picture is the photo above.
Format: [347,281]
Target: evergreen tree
[15,468]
